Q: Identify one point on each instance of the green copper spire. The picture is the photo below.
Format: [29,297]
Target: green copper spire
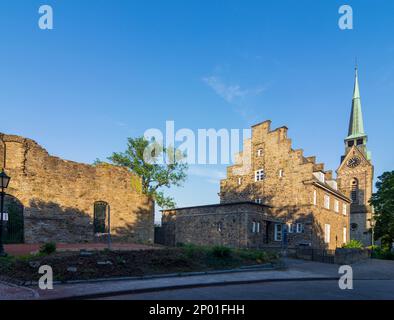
[356,135]
[356,124]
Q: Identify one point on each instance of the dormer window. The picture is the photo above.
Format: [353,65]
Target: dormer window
[360,141]
[350,143]
[319,175]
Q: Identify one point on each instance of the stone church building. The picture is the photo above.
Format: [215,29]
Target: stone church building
[355,173]
[275,194]
[50,199]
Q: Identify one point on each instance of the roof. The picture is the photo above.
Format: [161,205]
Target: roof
[220,204]
[329,188]
[356,123]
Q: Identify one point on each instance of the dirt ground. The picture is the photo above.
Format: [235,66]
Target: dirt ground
[106,264]
[24,249]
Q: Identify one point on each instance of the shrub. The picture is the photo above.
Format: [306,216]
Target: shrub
[48,248]
[191,250]
[353,244]
[221,252]
[382,253]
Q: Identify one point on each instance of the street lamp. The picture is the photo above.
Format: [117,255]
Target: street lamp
[4,181]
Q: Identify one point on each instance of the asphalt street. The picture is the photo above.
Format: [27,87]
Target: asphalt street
[294,290]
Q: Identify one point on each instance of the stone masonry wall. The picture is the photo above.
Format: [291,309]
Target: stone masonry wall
[226,225]
[58,195]
[360,211]
[288,186]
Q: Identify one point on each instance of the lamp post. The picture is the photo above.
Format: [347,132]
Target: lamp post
[372,225]
[4,181]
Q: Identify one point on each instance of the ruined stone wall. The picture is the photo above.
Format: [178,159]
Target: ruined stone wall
[287,185]
[58,195]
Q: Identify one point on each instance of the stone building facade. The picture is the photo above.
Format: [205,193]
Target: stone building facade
[289,198]
[300,191]
[50,199]
[237,225]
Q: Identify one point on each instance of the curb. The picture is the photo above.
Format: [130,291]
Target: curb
[186,286]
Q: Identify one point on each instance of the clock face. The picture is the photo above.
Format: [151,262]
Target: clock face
[353,162]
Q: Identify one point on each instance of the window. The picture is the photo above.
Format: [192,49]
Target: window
[327,233]
[259,201]
[354,226]
[220,227]
[344,209]
[344,235]
[326,201]
[99,217]
[314,197]
[336,205]
[350,143]
[300,227]
[278,232]
[254,227]
[290,228]
[360,141]
[354,192]
[260,152]
[239,181]
[259,175]
[258,227]
[281,174]
[319,175]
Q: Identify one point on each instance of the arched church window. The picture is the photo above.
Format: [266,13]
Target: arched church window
[354,191]
[100,215]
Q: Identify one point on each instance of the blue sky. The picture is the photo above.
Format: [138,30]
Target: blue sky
[112,69]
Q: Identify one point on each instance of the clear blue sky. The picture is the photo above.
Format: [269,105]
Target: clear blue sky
[112,69]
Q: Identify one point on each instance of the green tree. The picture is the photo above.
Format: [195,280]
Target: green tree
[157,166]
[383,202]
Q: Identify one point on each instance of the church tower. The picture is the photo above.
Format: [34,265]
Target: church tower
[355,173]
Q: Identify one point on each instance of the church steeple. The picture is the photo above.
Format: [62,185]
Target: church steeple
[356,123]
[355,172]
[356,135]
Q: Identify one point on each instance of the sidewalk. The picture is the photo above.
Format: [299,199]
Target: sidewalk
[12,292]
[108,288]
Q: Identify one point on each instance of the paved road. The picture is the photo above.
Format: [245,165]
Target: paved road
[299,290]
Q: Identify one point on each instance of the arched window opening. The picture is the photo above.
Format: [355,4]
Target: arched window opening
[100,217]
[354,191]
